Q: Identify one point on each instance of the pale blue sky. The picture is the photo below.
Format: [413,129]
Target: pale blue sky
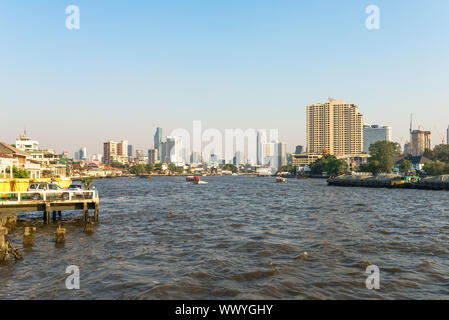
[135,65]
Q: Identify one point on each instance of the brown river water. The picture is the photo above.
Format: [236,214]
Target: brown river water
[240,238]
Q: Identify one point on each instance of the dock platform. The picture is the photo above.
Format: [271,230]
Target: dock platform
[50,203]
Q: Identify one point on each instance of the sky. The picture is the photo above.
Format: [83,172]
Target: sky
[137,65]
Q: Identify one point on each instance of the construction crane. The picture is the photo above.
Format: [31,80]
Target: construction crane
[443,141]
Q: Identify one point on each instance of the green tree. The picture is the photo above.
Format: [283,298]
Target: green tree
[173,168]
[289,169]
[329,164]
[230,167]
[119,165]
[405,166]
[138,169]
[441,153]
[149,167]
[435,168]
[19,173]
[382,156]
[429,154]
[87,181]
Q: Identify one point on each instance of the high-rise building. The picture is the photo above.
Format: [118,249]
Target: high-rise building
[140,157]
[152,156]
[82,154]
[115,152]
[130,152]
[96,158]
[407,148]
[269,151]
[374,133]
[172,150]
[196,157]
[261,142]
[158,142]
[281,154]
[239,158]
[335,127]
[299,149]
[420,142]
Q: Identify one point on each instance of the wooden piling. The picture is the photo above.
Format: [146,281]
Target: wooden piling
[97,212]
[89,226]
[47,213]
[4,254]
[85,211]
[60,235]
[28,236]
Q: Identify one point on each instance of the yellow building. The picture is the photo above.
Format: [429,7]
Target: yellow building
[420,142]
[335,127]
[304,159]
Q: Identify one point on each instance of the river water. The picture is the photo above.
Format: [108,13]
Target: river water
[240,238]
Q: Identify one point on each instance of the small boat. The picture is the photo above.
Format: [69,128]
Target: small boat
[281,180]
[190,179]
[198,181]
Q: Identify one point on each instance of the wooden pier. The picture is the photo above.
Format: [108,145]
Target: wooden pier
[51,203]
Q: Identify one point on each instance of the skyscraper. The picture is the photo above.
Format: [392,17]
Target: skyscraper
[281,154]
[374,133]
[130,152]
[420,142]
[158,141]
[299,149]
[261,141]
[239,158]
[172,150]
[82,154]
[336,127]
[152,156]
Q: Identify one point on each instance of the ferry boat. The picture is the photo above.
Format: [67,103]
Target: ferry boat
[281,180]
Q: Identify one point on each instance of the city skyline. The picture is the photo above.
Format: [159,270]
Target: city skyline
[230,65]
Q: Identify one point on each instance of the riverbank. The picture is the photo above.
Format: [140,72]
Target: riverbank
[391,181]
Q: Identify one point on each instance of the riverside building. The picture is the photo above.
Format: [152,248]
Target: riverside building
[115,152]
[374,133]
[335,127]
[420,142]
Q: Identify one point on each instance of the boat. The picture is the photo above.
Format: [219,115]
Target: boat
[190,179]
[197,180]
[281,180]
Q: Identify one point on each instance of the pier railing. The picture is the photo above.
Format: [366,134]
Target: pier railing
[48,195]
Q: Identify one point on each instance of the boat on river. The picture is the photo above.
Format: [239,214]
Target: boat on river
[197,180]
[281,180]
